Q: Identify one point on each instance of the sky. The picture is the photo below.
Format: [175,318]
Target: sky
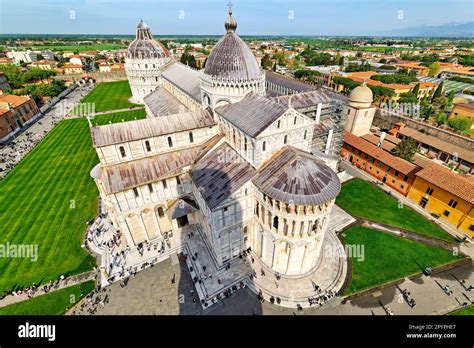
[205,17]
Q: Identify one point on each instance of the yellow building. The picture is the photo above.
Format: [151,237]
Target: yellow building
[464,110]
[447,194]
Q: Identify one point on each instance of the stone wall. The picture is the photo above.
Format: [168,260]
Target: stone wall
[387,121]
[96,75]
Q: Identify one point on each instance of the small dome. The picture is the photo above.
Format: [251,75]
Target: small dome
[231,58]
[296,177]
[361,95]
[144,46]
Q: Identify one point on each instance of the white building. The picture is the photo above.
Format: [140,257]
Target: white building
[248,162]
[143,63]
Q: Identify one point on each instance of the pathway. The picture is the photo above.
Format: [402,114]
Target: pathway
[410,235]
[54,286]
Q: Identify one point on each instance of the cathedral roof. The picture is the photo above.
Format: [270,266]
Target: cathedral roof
[310,98]
[124,176]
[231,58]
[160,102]
[185,78]
[144,46]
[221,173]
[297,177]
[253,114]
[117,133]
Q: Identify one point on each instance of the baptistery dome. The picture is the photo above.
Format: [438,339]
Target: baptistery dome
[144,46]
[231,58]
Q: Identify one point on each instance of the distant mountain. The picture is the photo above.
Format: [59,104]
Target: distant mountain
[453,29]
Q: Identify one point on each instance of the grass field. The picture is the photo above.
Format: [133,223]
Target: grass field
[118,117]
[46,201]
[469,310]
[363,199]
[55,303]
[110,96]
[387,258]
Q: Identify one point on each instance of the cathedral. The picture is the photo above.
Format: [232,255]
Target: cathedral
[245,158]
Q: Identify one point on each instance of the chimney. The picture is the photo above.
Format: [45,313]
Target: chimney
[382,138]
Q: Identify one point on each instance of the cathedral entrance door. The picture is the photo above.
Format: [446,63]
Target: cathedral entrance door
[182,221]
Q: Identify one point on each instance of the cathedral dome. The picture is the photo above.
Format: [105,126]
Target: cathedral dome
[296,177]
[231,58]
[361,95]
[144,46]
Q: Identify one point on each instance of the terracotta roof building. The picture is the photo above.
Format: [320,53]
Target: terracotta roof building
[446,194]
[391,170]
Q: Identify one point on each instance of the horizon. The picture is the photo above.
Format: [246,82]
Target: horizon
[326,18]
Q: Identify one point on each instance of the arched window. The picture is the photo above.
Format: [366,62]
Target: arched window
[147,145]
[278,124]
[178,181]
[264,146]
[135,191]
[245,144]
[191,137]
[285,139]
[122,151]
[170,142]
[165,185]
[161,213]
[294,121]
[275,222]
[305,134]
[233,135]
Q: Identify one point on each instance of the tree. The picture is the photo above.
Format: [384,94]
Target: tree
[394,78]
[405,149]
[438,91]
[416,89]
[188,59]
[460,123]
[435,68]
[440,118]
[408,98]
[266,62]
[440,103]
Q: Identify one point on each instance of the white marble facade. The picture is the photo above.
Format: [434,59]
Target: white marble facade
[149,166]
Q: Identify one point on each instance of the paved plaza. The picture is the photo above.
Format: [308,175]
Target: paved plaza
[118,262]
[42,126]
[153,292]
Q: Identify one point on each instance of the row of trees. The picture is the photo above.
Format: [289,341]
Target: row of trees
[17,77]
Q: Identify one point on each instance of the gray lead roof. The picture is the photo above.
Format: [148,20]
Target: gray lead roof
[253,114]
[231,58]
[221,173]
[185,78]
[296,177]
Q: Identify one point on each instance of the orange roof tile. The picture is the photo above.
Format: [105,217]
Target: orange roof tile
[395,162]
[449,181]
[15,100]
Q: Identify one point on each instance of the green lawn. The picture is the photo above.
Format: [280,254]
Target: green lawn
[54,303]
[46,201]
[119,116]
[110,96]
[469,310]
[387,257]
[364,200]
